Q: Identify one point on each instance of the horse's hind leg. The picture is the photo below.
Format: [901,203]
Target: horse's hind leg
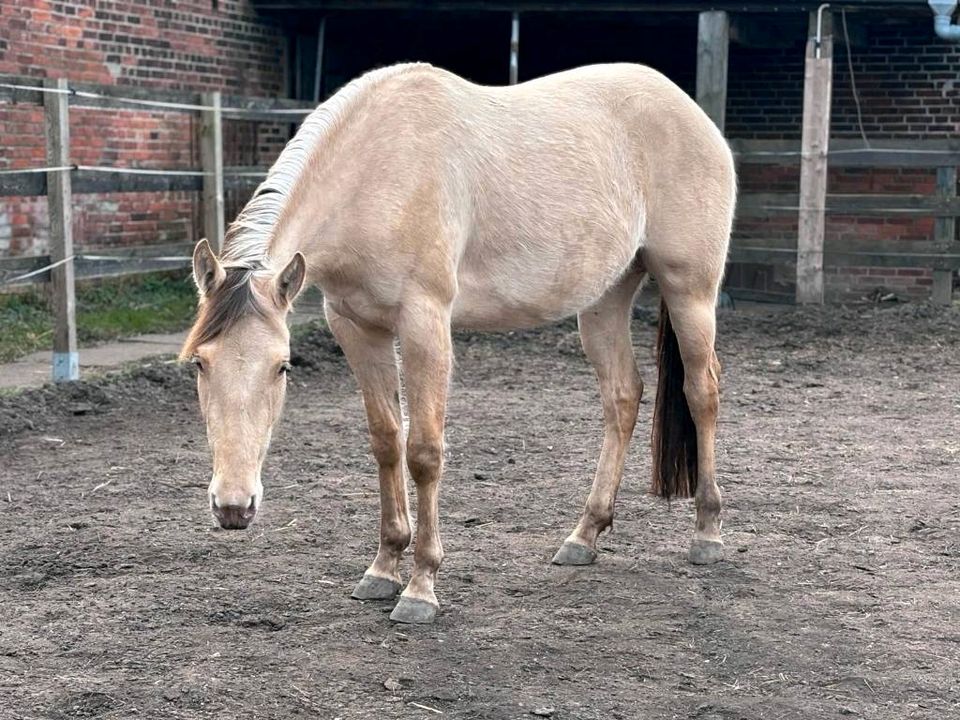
[374,363]
[693,319]
[605,335]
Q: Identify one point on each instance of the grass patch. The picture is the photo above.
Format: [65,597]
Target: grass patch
[106,310]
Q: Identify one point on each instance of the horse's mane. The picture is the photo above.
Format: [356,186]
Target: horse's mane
[246,246]
[247,241]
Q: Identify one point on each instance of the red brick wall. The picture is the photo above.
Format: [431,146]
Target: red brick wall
[189,45]
[908,83]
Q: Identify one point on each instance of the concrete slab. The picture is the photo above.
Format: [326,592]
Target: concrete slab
[34,369]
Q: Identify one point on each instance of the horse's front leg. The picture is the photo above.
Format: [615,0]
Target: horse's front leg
[374,363]
[426,349]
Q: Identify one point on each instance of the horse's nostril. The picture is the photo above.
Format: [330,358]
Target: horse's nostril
[213,501]
[234,517]
[253,503]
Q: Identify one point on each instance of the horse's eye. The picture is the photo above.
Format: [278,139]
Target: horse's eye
[197,363]
[285,367]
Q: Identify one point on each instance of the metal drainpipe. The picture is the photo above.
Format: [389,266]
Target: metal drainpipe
[943,11]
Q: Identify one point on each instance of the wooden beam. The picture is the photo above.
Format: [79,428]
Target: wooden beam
[276,6]
[85,181]
[844,152]
[109,262]
[814,144]
[211,153]
[514,48]
[66,362]
[849,253]
[945,236]
[713,51]
[873,205]
[318,68]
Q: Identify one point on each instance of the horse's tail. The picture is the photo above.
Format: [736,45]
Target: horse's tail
[674,433]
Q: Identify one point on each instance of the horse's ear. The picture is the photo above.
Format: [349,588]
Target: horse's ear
[207,272]
[290,280]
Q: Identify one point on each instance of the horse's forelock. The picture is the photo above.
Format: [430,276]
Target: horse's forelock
[232,300]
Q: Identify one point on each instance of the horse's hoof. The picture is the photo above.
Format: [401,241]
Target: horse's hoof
[413,611]
[374,587]
[573,553]
[705,552]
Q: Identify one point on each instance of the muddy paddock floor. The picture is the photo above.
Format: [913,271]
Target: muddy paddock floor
[839,596]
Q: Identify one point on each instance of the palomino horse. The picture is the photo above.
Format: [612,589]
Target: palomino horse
[418,202]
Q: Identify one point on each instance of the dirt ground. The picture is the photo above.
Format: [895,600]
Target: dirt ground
[840,596]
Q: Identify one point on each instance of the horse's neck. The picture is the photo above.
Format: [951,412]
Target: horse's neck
[310,169]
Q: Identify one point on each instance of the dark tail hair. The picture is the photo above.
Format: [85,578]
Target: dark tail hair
[674,433]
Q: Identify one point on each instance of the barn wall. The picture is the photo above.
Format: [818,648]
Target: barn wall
[190,45]
[908,82]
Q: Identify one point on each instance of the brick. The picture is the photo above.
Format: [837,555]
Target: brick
[139,43]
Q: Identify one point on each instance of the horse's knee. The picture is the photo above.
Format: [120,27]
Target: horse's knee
[425,458]
[385,441]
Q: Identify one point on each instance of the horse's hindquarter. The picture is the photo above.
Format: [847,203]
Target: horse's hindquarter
[573,174]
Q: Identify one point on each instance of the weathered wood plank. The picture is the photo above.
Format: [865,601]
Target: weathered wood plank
[945,235]
[238,106]
[849,253]
[211,155]
[318,68]
[845,152]
[873,205]
[713,51]
[514,48]
[814,143]
[542,5]
[66,364]
[124,260]
[85,181]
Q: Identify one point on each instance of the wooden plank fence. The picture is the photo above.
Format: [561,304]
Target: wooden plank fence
[61,179]
[941,254]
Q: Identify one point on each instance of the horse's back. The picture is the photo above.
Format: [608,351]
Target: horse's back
[569,174]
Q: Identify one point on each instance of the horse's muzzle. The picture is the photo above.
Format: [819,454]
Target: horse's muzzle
[234,517]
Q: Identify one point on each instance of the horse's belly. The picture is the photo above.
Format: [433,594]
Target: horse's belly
[525,289]
[479,310]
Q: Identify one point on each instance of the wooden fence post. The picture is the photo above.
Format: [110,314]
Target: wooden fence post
[318,68]
[211,156]
[514,48]
[66,362]
[944,235]
[814,145]
[713,51]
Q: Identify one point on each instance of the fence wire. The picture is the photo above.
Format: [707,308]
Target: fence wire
[158,104]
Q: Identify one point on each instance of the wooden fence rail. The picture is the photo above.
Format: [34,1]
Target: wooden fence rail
[61,179]
[941,254]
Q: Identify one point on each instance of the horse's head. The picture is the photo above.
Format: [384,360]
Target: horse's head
[240,347]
